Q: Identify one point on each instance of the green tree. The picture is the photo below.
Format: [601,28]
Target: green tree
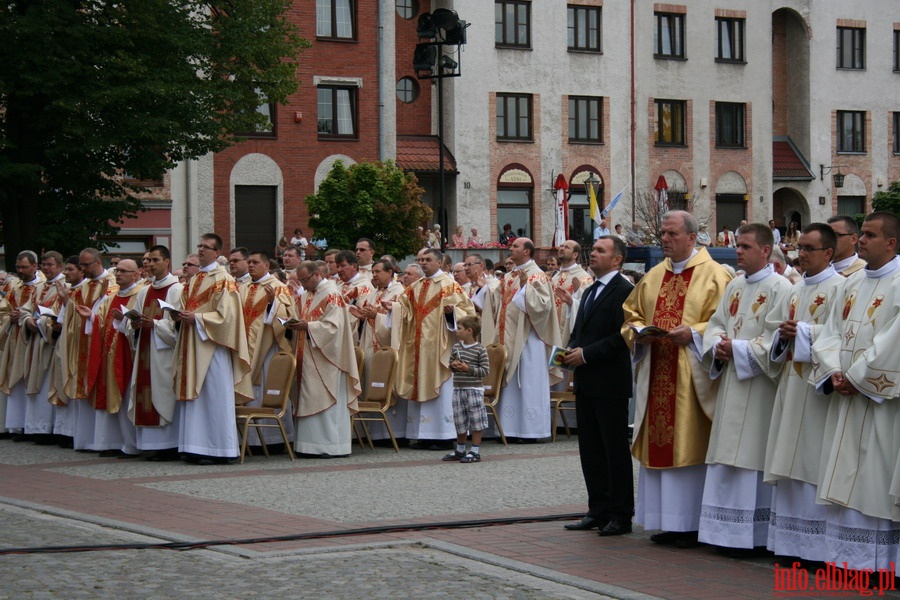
[371,200]
[95,95]
[888,200]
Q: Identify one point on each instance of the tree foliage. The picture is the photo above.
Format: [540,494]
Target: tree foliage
[95,95]
[648,212]
[369,200]
[888,199]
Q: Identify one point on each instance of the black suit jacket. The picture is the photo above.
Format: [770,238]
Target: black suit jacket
[597,332]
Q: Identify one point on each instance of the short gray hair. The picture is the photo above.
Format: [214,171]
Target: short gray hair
[691,225]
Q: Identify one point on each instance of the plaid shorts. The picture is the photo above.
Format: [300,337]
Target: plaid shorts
[469,413]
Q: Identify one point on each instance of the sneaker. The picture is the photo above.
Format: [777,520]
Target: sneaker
[453,457]
[470,457]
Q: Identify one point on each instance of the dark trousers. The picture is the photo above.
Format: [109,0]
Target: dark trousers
[605,455]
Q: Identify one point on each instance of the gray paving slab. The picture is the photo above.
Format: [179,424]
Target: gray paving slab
[417,570]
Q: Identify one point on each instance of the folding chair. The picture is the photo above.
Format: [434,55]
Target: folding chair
[561,403]
[494,382]
[379,395]
[276,399]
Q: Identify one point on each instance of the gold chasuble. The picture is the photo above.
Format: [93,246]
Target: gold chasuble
[213,298]
[675,398]
[419,323]
[74,347]
[261,335]
[510,326]
[43,343]
[325,353]
[15,352]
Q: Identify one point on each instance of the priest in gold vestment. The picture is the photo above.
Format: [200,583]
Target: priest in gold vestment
[674,396]
[211,360]
[328,378]
[424,318]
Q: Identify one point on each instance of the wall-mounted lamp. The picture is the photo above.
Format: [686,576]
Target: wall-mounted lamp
[703,182]
[837,177]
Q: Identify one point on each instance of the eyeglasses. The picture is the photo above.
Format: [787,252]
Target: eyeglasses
[189,265]
[810,248]
[205,247]
[86,265]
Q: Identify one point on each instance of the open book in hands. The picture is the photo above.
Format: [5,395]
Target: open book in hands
[558,357]
[651,330]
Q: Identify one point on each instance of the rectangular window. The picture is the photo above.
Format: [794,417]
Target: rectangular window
[337,112]
[730,125]
[583,28]
[513,116]
[585,119]
[851,131]
[851,205]
[730,40]
[897,133]
[851,48]
[334,19]
[670,122]
[512,24]
[265,127]
[668,37]
[897,49]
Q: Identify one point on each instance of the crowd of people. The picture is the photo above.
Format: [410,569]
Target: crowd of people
[765,402]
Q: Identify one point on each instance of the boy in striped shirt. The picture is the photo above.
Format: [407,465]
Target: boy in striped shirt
[469,363]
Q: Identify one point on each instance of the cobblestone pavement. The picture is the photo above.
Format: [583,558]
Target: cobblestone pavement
[400,571]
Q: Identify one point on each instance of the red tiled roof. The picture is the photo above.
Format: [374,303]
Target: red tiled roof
[421,153]
[787,163]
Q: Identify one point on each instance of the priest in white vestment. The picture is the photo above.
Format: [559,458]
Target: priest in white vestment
[794,449]
[328,378]
[858,357]
[736,344]
[521,314]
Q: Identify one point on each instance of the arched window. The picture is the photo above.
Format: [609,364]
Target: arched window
[515,193]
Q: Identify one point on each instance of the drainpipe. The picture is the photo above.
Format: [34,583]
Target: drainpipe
[633,122]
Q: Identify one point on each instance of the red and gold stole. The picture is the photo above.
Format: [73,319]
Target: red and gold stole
[144,413]
[664,370]
[104,340]
[310,313]
[421,308]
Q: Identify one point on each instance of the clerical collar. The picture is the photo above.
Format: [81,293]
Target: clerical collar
[678,267]
[761,274]
[101,275]
[244,278]
[263,278]
[57,278]
[570,267]
[126,290]
[439,272]
[522,266]
[826,274]
[354,278]
[843,264]
[887,269]
[158,283]
[209,267]
[34,281]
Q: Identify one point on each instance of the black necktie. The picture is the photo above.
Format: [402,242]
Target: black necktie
[591,295]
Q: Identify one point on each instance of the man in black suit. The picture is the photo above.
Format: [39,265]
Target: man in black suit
[602,389]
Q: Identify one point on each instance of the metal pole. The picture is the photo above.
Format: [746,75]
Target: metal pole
[441,213]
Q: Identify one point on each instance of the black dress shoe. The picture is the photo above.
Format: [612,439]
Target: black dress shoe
[687,540]
[615,528]
[666,538]
[6,435]
[584,524]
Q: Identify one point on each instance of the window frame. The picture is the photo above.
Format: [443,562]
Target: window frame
[737,120]
[732,25]
[858,134]
[682,105]
[334,35]
[678,29]
[897,51]
[407,7]
[513,100]
[574,27]
[528,208]
[574,121]
[415,91]
[500,27]
[858,42]
[353,103]
[896,126]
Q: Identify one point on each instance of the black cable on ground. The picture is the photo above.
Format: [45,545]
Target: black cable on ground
[297,536]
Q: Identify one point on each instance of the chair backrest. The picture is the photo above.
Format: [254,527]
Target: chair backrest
[277,386]
[497,362]
[360,361]
[382,370]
